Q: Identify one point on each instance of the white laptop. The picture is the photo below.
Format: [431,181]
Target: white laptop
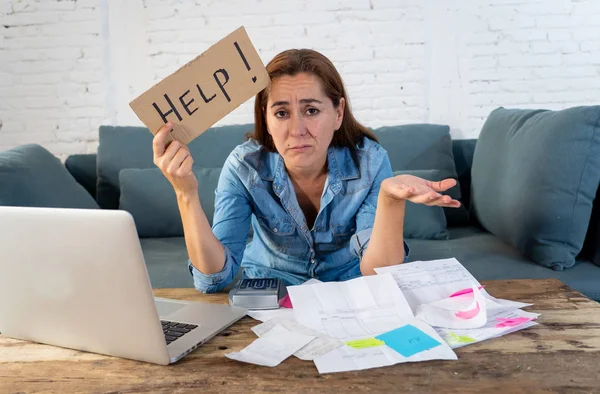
[76,278]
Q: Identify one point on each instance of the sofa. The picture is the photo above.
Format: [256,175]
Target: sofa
[489,236]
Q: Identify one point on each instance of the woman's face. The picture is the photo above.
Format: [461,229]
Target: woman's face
[301,119]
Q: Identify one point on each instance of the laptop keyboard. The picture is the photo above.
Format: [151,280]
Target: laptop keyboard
[174,330]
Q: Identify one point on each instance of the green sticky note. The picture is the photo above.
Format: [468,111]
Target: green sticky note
[365,343]
[461,338]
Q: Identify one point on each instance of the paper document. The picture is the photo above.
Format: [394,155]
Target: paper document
[272,348]
[464,311]
[268,314]
[458,337]
[423,282]
[317,347]
[281,312]
[355,309]
[347,358]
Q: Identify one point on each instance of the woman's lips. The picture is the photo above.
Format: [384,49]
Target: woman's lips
[299,148]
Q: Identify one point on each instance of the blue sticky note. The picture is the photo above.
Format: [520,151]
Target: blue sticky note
[408,340]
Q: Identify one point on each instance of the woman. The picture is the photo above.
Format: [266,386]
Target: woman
[312,181]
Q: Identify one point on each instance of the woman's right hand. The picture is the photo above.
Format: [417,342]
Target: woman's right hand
[175,162]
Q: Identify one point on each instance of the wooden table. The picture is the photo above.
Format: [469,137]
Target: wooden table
[562,354]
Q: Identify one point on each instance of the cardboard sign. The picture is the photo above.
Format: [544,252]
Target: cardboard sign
[205,90]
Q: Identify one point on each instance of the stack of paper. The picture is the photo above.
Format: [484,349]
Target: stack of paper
[358,324]
[373,311]
[446,296]
[407,313]
[271,349]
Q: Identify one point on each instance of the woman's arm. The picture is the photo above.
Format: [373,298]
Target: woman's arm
[205,251]
[214,253]
[386,245]
[175,162]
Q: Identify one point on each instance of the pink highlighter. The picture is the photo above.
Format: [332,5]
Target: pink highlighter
[464,291]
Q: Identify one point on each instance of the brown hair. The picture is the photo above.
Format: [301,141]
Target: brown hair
[295,61]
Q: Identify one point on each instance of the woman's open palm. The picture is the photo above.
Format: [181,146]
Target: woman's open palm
[419,190]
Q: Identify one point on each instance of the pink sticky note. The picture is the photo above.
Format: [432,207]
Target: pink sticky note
[471,313]
[285,302]
[511,322]
[464,291]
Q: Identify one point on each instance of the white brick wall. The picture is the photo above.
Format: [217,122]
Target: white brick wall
[68,66]
[52,74]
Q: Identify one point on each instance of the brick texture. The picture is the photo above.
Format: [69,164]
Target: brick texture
[66,67]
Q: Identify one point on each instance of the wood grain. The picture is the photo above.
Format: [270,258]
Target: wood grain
[560,355]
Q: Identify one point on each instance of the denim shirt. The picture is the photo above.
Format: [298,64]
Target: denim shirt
[254,189]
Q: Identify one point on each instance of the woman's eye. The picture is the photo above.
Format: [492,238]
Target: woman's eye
[280,114]
[312,111]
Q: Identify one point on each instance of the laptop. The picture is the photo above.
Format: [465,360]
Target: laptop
[76,278]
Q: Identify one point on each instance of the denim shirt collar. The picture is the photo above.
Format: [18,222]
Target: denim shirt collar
[341,166]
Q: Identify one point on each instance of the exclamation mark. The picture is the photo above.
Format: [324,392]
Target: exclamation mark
[244,59]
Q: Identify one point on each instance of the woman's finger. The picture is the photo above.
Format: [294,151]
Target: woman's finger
[177,160]
[186,166]
[445,201]
[159,141]
[443,185]
[425,198]
[401,191]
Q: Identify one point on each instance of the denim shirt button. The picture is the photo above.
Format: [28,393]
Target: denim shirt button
[313,261]
[275,230]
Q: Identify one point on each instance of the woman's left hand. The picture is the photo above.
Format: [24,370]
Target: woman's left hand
[419,190]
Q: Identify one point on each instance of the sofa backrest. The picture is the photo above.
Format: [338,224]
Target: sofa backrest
[131,147]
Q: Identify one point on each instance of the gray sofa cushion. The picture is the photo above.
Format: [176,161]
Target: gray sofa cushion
[591,246]
[32,176]
[166,259]
[424,147]
[131,147]
[149,197]
[534,178]
[463,151]
[422,221]
[487,257]
[83,168]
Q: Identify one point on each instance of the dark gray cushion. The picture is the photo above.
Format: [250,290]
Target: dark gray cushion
[83,169]
[488,257]
[463,151]
[534,177]
[591,246]
[424,147]
[131,147]
[31,176]
[422,221]
[149,197]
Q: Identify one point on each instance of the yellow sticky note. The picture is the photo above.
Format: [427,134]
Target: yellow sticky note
[461,338]
[364,343]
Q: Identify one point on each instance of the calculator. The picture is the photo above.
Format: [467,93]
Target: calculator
[257,293]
